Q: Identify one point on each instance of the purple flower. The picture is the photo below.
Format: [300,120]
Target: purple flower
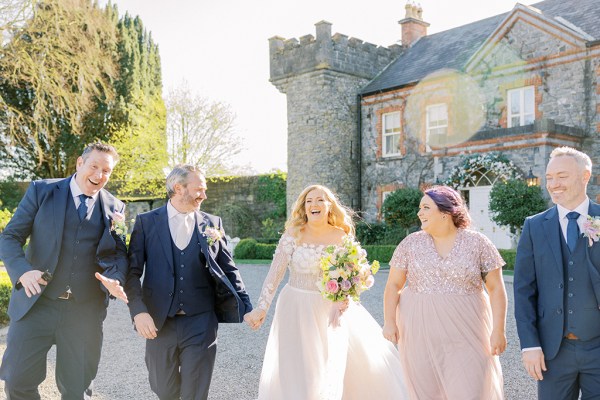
[346,285]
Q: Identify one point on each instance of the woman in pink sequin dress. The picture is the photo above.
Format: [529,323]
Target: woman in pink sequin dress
[305,358]
[449,331]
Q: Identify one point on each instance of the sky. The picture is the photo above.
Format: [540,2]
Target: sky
[220,48]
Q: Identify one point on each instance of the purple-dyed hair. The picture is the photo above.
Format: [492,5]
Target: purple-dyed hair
[449,201]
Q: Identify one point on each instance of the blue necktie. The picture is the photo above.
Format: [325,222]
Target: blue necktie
[83,208]
[572,230]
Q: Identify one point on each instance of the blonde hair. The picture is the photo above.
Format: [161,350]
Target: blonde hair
[339,215]
[582,159]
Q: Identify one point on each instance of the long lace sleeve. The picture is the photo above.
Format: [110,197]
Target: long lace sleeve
[281,259]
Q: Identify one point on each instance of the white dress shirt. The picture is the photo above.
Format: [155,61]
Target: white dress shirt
[76,191]
[181,226]
[582,209]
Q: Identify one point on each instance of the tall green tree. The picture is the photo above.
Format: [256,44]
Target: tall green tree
[53,67]
[137,121]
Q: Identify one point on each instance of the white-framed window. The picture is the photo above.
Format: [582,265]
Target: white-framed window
[521,106]
[436,125]
[391,134]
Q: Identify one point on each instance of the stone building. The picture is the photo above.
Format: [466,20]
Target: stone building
[484,101]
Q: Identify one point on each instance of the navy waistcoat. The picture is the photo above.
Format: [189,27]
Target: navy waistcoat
[194,286]
[582,317]
[77,260]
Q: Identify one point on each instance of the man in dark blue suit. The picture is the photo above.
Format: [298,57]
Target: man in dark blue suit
[190,284]
[57,299]
[557,285]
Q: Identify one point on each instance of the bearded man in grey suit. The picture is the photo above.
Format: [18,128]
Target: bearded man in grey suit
[74,241]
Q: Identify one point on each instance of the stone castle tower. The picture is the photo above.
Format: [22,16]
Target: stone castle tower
[322,78]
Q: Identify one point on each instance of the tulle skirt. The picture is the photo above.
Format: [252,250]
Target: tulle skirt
[445,346]
[306,359]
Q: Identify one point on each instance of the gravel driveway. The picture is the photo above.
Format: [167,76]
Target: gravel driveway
[123,376]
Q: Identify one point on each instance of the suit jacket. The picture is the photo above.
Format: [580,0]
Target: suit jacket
[150,252]
[40,217]
[539,281]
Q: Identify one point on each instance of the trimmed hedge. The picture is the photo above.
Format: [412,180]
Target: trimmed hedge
[381,253]
[249,249]
[5,290]
[509,257]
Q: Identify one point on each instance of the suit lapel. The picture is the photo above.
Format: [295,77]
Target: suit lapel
[61,195]
[202,222]
[161,224]
[553,232]
[106,205]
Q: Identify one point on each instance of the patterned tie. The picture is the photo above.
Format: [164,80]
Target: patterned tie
[83,208]
[572,230]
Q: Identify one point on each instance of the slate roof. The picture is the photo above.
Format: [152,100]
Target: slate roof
[453,48]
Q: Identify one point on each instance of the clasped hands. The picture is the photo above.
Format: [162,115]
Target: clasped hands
[255,318]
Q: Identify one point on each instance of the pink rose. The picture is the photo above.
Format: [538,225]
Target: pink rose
[332,286]
[369,281]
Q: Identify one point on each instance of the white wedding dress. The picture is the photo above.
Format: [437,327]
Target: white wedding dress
[306,359]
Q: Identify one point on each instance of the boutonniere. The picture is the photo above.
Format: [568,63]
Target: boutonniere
[117,224]
[591,229]
[213,235]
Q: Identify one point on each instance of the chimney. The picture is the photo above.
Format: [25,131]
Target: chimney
[413,26]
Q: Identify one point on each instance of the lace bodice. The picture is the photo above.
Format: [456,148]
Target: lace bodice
[458,273]
[302,260]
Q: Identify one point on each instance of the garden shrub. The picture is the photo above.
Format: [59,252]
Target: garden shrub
[246,249]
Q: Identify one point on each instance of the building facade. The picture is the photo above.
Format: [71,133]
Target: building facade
[485,101]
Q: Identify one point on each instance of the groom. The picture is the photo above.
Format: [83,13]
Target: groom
[56,300]
[190,284]
[557,285]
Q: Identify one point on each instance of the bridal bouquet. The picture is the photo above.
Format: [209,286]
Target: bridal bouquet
[346,273]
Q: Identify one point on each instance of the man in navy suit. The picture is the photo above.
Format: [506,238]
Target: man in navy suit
[190,284]
[70,226]
[557,285]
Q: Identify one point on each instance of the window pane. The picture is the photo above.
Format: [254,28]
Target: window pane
[529,100]
[514,121]
[528,119]
[515,101]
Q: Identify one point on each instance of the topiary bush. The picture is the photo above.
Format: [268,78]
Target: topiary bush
[245,249]
[512,201]
[400,208]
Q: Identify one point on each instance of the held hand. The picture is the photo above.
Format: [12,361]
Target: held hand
[144,325]
[31,281]
[497,343]
[255,318]
[534,363]
[390,332]
[113,286]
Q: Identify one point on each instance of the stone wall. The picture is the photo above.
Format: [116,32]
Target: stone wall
[235,200]
[322,78]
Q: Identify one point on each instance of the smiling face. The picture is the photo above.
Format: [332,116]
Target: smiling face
[430,215]
[93,171]
[317,206]
[566,181]
[189,197]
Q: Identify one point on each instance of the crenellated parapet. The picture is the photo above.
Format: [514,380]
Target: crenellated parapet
[339,53]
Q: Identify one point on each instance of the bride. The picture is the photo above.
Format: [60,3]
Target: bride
[305,358]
